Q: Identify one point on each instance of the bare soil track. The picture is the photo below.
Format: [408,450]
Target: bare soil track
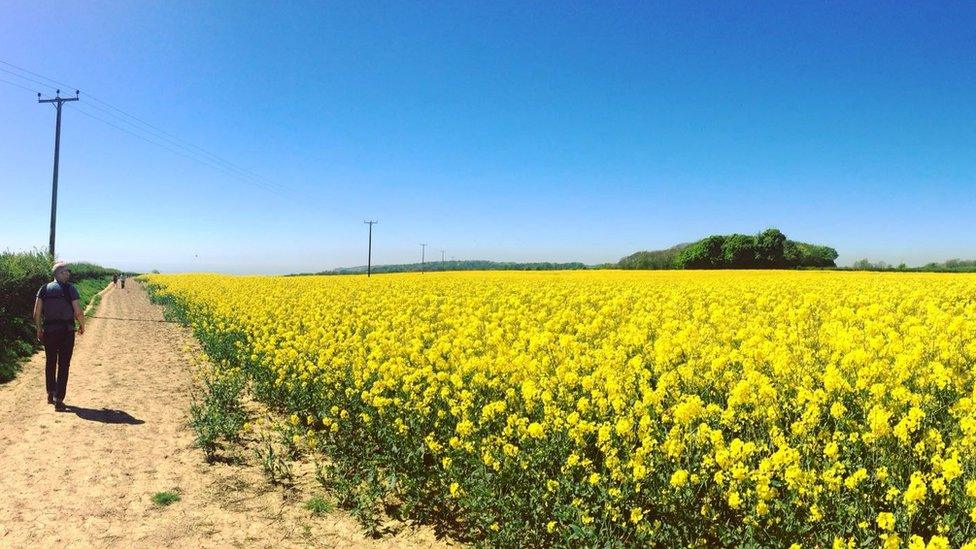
[85,477]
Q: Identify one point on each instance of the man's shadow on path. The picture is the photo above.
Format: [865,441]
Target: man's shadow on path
[104,415]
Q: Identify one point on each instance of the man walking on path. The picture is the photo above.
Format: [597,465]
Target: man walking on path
[58,304]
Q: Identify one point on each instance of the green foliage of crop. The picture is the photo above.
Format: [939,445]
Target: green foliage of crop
[218,416]
[318,505]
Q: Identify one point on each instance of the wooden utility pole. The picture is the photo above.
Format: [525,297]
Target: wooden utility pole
[58,101]
[369,252]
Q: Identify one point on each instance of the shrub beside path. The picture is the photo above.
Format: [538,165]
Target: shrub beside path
[86,477]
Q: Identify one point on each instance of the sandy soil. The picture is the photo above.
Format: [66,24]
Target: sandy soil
[85,477]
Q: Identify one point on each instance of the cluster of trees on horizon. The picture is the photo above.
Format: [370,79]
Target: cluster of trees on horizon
[769,249]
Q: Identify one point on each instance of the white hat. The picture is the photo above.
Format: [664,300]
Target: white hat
[60,265]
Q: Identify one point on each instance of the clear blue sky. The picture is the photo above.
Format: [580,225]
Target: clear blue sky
[506,131]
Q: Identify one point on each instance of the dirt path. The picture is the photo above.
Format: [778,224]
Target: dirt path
[85,477]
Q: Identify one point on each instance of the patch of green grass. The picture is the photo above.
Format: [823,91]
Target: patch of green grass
[94,305]
[319,505]
[89,288]
[163,499]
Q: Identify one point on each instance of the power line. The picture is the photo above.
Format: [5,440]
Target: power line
[22,69]
[191,152]
[183,144]
[18,85]
[205,161]
[42,84]
[157,143]
[183,154]
[161,135]
[102,109]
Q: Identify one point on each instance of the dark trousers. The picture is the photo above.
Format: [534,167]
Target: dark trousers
[58,346]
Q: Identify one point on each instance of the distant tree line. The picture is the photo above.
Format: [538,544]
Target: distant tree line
[868,265]
[769,249]
[471,265]
[653,260]
[951,265]
[948,266]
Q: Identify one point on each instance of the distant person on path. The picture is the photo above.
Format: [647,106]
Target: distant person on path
[115,280]
[122,280]
[56,309]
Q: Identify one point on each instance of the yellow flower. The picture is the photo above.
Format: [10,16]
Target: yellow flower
[831,450]
[837,410]
[886,521]
[679,478]
[734,500]
[890,541]
[951,469]
[856,478]
[916,490]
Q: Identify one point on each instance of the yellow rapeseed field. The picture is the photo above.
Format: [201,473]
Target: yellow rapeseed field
[625,408]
